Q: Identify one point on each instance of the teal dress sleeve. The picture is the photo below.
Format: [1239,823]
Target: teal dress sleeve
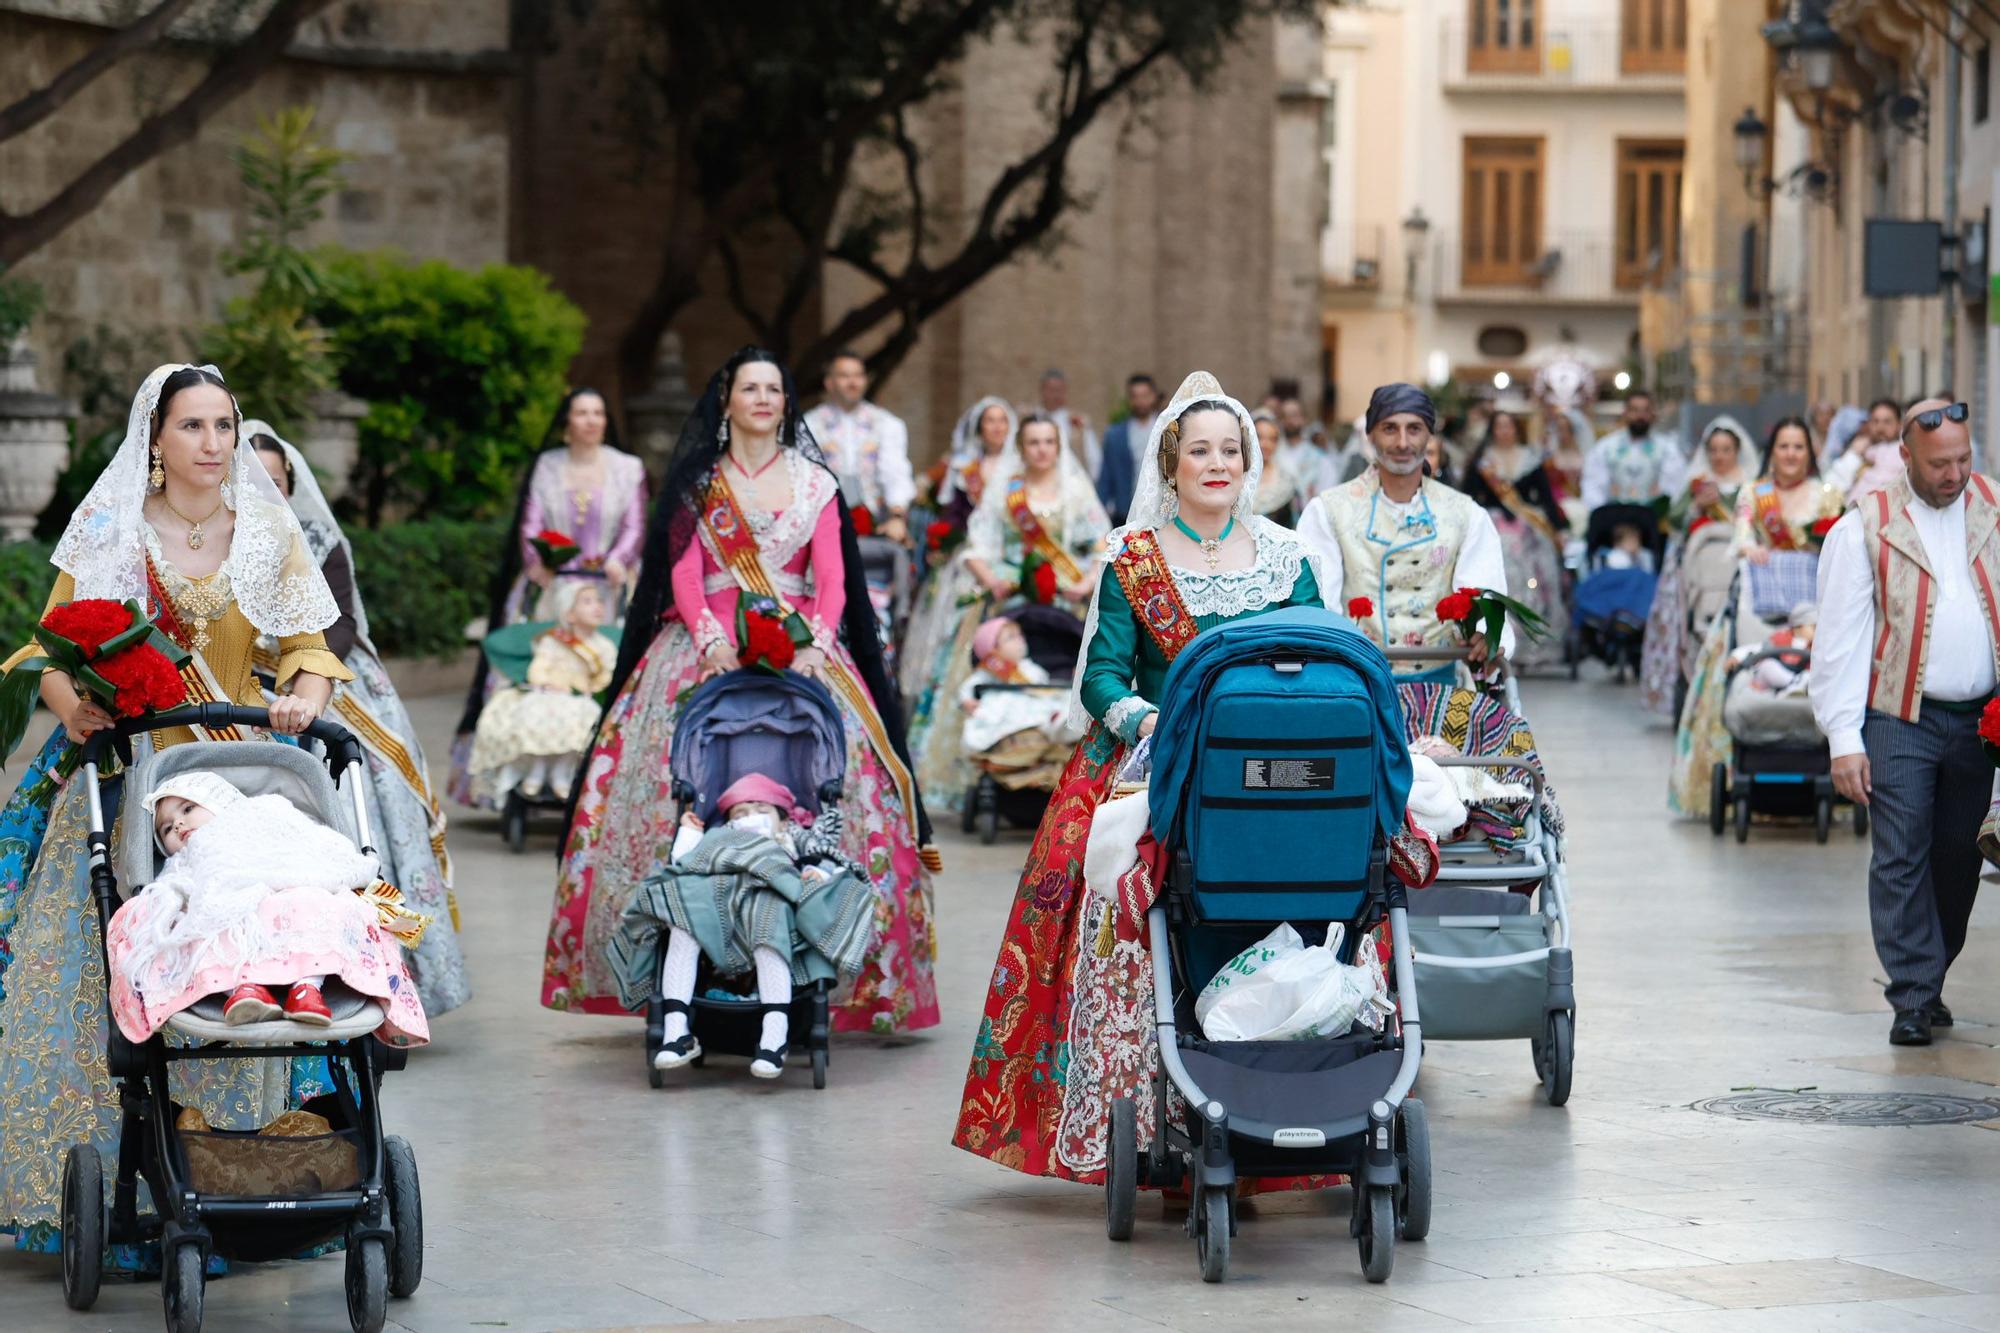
[1110,664]
[1305,588]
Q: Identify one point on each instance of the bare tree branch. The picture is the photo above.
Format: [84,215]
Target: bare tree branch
[739,296]
[39,105]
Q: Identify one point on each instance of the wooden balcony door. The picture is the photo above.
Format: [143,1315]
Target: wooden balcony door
[1648,225]
[1503,37]
[1501,212]
[1652,36]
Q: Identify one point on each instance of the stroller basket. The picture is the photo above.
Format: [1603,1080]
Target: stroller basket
[263,1166]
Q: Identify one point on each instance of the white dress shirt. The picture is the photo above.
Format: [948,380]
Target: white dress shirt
[1480,563]
[1958,664]
[844,438]
[1609,477]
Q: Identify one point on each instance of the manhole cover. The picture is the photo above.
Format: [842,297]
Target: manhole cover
[1852,1108]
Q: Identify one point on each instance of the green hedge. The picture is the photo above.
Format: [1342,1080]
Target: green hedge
[422,582]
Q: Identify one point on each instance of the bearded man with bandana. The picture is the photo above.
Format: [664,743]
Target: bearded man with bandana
[1400,540]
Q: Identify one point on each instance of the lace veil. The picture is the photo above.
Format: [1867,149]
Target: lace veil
[275,584]
[1749,458]
[309,505]
[965,442]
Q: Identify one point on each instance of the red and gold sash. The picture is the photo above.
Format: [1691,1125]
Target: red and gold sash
[1036,536]
[1769,513]
[201,686]
[1510,499]
[1142,572]
[737,545]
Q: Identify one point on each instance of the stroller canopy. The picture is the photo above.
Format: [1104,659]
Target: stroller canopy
[1295,632]
[752,721]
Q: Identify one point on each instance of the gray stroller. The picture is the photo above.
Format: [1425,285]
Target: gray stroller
[353,1184]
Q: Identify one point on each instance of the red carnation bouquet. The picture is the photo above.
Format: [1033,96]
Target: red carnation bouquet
[1359,608]
[767,635]
[1038,580]
[1483,611]
[118,658]
[864,521]
[554,549]
[1989,731]
[942,538]
[1818,530]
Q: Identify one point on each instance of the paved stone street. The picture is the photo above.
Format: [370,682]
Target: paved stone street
[562,1193]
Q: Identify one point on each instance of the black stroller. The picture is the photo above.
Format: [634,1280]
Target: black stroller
[1274,813]
[354,1183]
[1608,620]
[788,728]
[1055,641]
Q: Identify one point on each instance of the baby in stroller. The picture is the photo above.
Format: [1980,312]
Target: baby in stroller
[1033,704]
[767,892]
[254,894]
[533,736]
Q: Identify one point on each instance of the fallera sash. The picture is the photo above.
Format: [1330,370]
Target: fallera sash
[1037,536]
[1142,572]
[1510,500]
[1770,516]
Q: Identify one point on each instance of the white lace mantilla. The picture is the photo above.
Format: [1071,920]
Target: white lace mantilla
[270,573]
[1233,592]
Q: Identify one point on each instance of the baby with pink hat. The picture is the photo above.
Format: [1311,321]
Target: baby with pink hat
[1029,703]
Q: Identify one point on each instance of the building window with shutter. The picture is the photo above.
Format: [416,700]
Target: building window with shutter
[1503,37]
[1501,212]
[1652,36]
[1647,240]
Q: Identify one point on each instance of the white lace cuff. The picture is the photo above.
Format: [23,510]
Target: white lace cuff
[823,638]
[708,631]
[1123,718]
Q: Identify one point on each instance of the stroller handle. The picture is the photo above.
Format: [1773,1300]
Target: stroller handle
[342,747]
[1497,665]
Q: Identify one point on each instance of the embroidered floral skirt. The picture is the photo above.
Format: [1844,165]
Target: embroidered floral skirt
[54,1021]
[624,829]
[944,774]
[1535,578]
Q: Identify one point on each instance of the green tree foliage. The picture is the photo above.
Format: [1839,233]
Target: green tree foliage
[425,616]
[276,358]
[461,369]
[20,302]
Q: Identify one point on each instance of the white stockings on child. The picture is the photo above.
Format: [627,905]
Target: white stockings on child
[677,975]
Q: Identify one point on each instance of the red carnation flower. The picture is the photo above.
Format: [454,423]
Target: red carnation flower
[765,642]
[1044,583]
[1823,526]
[555,538]
[864,521]
[1455,606]
[1359,608]
[145,680]
[1989,723]
[88,623]
[935,534]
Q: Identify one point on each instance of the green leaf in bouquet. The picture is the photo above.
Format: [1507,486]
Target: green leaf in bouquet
[137,632]
[18,691]
[100,689]
[167,648]
[797,630]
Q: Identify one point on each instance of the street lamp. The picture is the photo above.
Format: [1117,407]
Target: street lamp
[1817,45]
[1415,228]
[1750,132]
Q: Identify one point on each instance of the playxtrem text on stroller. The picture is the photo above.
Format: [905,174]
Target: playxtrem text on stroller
[241,1195]
[1280,774]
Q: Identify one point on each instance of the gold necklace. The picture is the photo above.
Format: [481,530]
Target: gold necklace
[195,536]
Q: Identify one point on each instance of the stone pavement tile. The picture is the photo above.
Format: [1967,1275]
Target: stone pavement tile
[1564,1252]
[1856,1317]
[1961,1269]
[1538,1299]
[797,1288]
[1252,1303]
[1784,1282]
[1532,1215]
[814,1324]
[1717,1206]
[1979,1310]
[520,1301]
[1803,1238]
[1001,1312]
[1962,1061]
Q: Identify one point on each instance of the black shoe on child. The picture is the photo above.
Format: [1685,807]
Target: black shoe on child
[1911,1028]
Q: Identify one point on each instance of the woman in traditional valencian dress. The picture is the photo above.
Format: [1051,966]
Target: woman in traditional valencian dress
[403,809]
[1777,512]
[1068,1010]
[1039,502]
[185,522]
[1508,480]
[978,443]
[748,506]
[1700,567]
[589,490]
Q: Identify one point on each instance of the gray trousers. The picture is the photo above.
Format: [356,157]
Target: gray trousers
[1933,784]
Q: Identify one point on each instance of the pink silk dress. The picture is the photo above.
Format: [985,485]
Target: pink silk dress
[625,816]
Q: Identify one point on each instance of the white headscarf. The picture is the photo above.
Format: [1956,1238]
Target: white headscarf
[1082,511]
[1154,503]
[210,791]
[104,546]
[967,447]
[315,516]
[1748,456]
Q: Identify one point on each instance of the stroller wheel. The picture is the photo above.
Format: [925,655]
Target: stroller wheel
[1718,798]
[181,1287]
[819,1067]
[1860,821]
[1378,1234]
[367,1284]
[968,817]
[514,822]
[1743,818]
[82,1225]
[406,1216]
[1822,818]
[1121,1170]
[1558,1055]
[1413,1133]
[989,822]
[1211,1240]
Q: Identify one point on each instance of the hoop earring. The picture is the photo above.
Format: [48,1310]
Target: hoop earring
[157,478]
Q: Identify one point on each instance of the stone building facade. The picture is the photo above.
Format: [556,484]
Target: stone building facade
[416,91]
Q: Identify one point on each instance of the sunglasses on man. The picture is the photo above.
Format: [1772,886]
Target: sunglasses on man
[1937,416]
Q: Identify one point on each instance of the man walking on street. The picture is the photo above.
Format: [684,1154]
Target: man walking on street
[1635,463]
[1125,446]
[1904,661]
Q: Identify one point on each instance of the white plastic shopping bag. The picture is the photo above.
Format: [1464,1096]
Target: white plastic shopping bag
[1280,990]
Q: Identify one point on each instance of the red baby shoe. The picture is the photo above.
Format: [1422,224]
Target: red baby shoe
[304,1004]
[250,1004]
